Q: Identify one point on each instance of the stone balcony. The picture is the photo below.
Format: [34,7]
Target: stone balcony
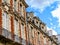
[7,36]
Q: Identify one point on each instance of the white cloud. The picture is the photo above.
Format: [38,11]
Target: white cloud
[56,13]
[54,27]
[51,23]
[48,28]
[53,31]
[40,4]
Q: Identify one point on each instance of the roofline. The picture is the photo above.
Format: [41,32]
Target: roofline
[23,1]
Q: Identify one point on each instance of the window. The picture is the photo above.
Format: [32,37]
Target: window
[39,37]
[29,35]
[32,33]
[23,33]
[44,41]
[37,22]
[15,3]
[49,42]
[14,0]
[16,26]
[42,27]
[31,28]
[20,0]
[38,33]
[20,5]
[6,21]
[21,9]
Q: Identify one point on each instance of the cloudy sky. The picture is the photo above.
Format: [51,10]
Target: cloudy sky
[48,11]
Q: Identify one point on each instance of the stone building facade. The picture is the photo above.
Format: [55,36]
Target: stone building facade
[58,36]
[13,22]
[37,32]
[20,28]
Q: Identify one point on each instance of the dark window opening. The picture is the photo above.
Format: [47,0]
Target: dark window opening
[42,27]
[31,27]
[32,21]
[38,33]
[37,22]
[22,24]
[40,23]
[15,0]
[20,5]
[20,0]
[16,19]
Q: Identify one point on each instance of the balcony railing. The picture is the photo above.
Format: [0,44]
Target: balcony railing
[17,39]
[6,33]
[29,43]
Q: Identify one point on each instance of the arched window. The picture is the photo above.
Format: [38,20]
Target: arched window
[16,26]
[6,23]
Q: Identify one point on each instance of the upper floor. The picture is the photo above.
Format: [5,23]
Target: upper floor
[36,21]
[16,7]
[41,30]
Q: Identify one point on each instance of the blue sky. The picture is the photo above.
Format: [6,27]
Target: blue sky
[48,11]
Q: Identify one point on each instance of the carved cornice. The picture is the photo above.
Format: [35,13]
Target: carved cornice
[23,1]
